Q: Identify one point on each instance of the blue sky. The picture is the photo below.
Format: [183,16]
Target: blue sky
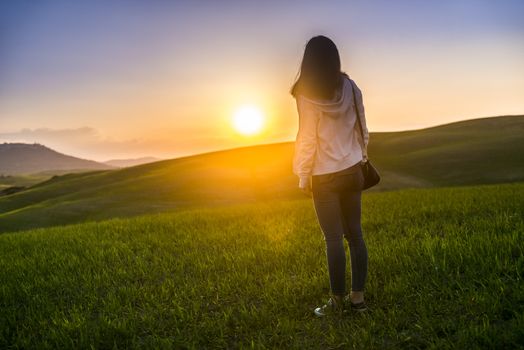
[135,78]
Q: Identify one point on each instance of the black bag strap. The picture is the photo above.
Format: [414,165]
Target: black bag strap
[363,145]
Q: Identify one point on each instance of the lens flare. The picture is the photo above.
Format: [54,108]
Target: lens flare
[248,120]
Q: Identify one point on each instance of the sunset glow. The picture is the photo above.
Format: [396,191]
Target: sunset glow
[248,120]
[130,79]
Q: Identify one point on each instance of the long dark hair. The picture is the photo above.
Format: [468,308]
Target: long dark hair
[320,75]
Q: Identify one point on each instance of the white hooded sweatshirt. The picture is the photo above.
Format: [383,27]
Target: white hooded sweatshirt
[328,138]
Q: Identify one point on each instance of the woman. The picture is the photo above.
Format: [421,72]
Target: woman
[328,153]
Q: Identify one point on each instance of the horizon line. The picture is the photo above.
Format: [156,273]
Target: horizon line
[159,159]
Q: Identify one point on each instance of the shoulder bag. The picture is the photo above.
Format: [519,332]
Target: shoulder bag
[371,175]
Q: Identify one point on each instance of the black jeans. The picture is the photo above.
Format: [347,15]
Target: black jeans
[337,199]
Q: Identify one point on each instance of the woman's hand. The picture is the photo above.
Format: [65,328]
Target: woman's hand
[306,190]
[305,185]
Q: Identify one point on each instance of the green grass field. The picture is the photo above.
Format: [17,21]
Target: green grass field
[22,180]
[446,268]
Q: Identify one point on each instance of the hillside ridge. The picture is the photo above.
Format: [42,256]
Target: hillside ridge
[475,152]
[23,158]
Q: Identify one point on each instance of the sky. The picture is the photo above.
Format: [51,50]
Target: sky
[125,79]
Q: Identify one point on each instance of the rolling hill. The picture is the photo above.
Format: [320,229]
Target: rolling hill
[124,163]
[23,158]
[480,151]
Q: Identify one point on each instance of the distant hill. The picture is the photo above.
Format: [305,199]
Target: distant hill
[124,163]
[476,151]
[23,158]
[479,151]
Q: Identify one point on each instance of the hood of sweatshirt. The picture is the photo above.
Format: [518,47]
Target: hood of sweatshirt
[339,105]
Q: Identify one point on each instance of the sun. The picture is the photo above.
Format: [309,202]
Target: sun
[248,120]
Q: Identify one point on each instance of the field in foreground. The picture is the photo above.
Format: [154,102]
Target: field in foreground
[445,271]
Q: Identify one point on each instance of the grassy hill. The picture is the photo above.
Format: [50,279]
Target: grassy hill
[480,151]
[7,181]
[445,271]
[123,163]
